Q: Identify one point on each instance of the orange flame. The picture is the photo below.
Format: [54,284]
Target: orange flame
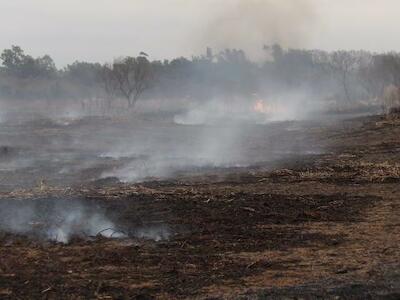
[261,107]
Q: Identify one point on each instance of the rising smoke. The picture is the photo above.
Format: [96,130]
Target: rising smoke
[57,220]
[251,24]
[61,220]
[157,152]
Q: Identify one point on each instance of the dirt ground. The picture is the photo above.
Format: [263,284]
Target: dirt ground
[323,226]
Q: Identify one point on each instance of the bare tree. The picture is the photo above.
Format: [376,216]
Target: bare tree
[371,77]
[391,99]
[389,63]
[109,83]
[343,64]
[132,76]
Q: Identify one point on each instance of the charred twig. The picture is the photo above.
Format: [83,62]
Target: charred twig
[47,290]
[104,230]
[250,209]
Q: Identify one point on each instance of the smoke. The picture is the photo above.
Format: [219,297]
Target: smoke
[251,24]
[61,220]
[284,106]
[297,105]
[167,151]
[56,221]
[213,135]
[151,151]
[156,233]
[216,111]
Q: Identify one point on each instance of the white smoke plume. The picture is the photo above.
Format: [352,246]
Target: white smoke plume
[59,222]
[62,220]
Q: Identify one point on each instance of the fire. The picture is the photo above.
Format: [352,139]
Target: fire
[261,107]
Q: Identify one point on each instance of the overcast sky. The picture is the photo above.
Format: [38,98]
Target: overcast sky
[100,30]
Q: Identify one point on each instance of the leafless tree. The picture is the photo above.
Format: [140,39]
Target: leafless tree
[344,64]
[132,76]
[109,84]
[391,99]
[371,78]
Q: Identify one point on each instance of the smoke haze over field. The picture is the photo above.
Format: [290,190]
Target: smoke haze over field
[249,24]
[209,101]
[99,30]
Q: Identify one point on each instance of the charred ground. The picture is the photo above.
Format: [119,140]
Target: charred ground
[310,225]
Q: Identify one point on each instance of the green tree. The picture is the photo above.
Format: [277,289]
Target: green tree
[19,64]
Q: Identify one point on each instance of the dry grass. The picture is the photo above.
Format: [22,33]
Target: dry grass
[377,171]
[359,171]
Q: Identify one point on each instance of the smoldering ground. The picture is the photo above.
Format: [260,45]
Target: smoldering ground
[81,151]
[61,220]
[213,130]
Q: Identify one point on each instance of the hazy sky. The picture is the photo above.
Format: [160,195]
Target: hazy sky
[100,30]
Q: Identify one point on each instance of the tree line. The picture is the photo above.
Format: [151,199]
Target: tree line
[345,76]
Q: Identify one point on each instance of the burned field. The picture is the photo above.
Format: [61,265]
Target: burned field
[313,214]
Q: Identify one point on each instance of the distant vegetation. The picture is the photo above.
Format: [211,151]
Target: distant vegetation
[340,77]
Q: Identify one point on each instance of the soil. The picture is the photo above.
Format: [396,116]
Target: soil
[309,226]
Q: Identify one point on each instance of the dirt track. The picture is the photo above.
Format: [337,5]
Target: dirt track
[317,226]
